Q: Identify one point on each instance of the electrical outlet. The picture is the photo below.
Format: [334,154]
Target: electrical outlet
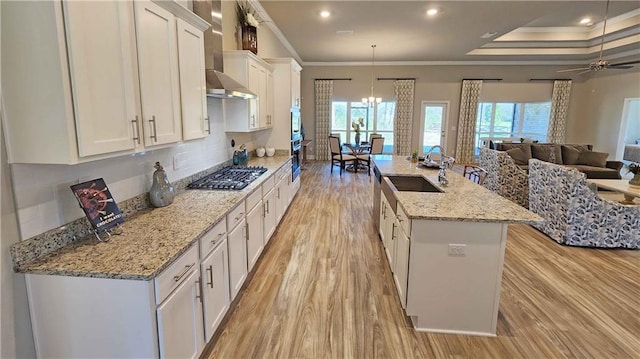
[179,161]
[457,250]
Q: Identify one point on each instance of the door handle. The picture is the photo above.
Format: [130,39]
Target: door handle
[210,282]
[154,131]
[208,125]
[199,289]
[135,130]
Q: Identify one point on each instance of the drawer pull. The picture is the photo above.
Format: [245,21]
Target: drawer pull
[239,216]
[210,282]
[179,276]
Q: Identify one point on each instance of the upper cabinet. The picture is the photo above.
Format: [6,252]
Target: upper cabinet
[159,77]
[286,78]
[256,75]
[89,80]
[195,121]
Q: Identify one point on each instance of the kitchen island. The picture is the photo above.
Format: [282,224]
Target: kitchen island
[445,246]
[162,286]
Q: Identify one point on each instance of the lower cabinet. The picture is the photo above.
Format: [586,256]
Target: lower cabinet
[401,262]
[237,257]
[387,229]
[255,235]
[270,219]
[215,287]
[180,320]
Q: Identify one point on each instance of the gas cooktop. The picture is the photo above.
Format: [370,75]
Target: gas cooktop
[229,178]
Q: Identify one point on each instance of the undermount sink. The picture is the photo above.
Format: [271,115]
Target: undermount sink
[412,184]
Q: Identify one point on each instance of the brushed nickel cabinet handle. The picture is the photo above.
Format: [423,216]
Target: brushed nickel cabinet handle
[135,130]
[154,131]
[210,282]
[179,276]
[208,125]
[199,289]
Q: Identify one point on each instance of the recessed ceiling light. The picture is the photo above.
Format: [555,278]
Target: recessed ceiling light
[586,21]
[432,12]
[325,13]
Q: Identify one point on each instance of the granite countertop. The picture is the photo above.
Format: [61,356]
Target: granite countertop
[461,199]
[152,239]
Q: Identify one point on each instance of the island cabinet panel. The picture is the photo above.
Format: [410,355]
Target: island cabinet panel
[455,274]
[82,317]
[401,262]
[388,230]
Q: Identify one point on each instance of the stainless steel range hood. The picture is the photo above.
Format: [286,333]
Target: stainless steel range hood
[219,85]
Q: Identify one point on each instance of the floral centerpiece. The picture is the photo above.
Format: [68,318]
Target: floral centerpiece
[248,23]
[357,125]
[635,169]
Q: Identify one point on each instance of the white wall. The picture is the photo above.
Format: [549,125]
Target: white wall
[435,83]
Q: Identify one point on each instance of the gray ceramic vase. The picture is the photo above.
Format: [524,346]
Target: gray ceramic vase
[162,192]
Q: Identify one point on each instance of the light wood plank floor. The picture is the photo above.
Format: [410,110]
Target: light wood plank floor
[323,289]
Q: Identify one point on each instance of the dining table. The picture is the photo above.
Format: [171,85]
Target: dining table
[357,150]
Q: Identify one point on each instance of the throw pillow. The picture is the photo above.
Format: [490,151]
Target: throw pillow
[591,158]
[518,155]
[570,155]
[547,152]
[525,147]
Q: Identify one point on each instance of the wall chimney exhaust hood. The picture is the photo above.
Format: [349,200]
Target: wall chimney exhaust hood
[219,85]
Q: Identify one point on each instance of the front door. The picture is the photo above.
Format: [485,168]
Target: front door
[434,124]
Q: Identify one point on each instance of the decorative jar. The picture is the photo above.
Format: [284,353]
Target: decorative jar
[162,192]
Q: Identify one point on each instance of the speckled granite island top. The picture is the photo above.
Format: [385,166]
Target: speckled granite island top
[461,200]
[151,240]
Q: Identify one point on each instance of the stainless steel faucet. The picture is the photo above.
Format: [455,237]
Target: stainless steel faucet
[442,173]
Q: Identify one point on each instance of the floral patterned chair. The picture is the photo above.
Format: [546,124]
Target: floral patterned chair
[574,214]
[504,177]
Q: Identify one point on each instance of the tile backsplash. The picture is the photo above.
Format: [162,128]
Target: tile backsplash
[44,200]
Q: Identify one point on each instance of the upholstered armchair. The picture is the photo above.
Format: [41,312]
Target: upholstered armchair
[504,177]
[574,214]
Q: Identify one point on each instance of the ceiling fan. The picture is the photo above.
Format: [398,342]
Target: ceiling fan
[602,64]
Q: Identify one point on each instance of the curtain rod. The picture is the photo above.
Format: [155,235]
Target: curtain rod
[395,78]
[482,79]
[339,79]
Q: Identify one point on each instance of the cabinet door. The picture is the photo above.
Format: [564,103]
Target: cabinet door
[388,230]
[295,88]
[158,68]
[180,329]
[270,98]
[269,201]
[100,44]
[192,82]
[215,283]
[281,199]
[255,237]
[254,86]
[401,263]
[237,257]
[384,207]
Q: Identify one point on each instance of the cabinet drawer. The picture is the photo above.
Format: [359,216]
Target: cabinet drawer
[404,220]
[175,274]
[253,199]
[269,183]
[212,238]
[235,216]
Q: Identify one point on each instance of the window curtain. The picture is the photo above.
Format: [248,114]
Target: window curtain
[559,107]
[469,99]
[323,95]
[403,119]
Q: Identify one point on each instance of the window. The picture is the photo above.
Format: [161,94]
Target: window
[512,120]
[377,119]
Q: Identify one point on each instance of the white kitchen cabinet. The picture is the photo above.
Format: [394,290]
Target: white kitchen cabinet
[69,97]
[286,79]
[180,327]
[237,241]
[215,286]
[387,229]
[270,219]
[193,92]
[252,72]
[265,98]
[159,77]
[401,262]
[282,197]
[255,235]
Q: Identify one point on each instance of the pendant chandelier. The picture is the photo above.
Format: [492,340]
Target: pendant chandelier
[372,99]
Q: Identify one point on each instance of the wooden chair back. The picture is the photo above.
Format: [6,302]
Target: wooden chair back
[475,173]
[334,145]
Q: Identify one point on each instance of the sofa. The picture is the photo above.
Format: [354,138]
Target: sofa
[504,177]
[574,214]
[580,157]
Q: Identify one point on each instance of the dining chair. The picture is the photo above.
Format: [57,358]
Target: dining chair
[337,157]
[475,173]
[376,148]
